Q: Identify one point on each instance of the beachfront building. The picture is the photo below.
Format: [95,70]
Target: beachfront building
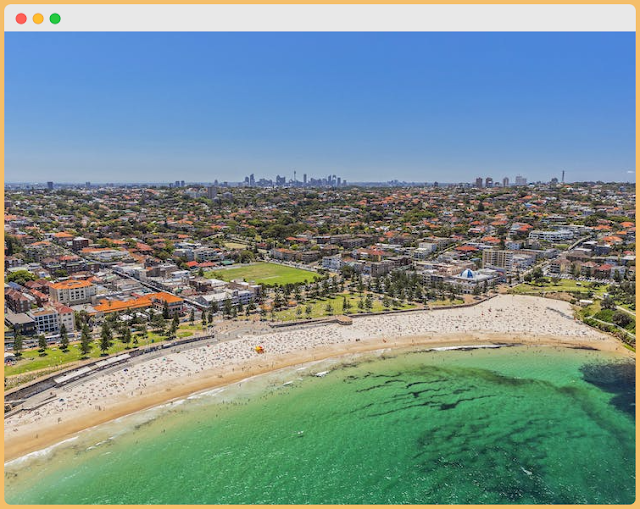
[72,292]
[235,296]
[150,300]
[47,321]
[66,316]
[492,258]
[21,322]
[174,303]
[469,279]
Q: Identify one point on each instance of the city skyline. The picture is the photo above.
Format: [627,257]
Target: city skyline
[487,181]
[413,107]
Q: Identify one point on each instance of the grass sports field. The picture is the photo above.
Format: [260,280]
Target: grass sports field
[264,273]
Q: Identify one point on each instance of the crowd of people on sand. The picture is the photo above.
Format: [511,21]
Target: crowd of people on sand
[517,315]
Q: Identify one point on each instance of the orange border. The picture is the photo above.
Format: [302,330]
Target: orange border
[634,3]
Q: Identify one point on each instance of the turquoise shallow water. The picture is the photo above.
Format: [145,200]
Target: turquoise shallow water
[514,425]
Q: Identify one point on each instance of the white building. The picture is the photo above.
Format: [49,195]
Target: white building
[66,317]
[47,321]
[551,236]
[469,279]
[333,263]
[421,253]
[428,246]
[206,254]
[72,292]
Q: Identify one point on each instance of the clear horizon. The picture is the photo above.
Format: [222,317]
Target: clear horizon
[369,107]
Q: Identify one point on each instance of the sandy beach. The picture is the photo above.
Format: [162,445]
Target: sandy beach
[504,319]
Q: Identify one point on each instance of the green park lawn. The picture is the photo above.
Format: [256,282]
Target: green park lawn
[55,359]
[264,273]
[564,285]
[318,308]
[445,302]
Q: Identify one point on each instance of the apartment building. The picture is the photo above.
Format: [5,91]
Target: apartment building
[47,321]
[16,301]
[72,292]
[492,258]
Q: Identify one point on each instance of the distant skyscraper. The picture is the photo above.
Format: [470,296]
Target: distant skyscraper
[521,181]
[176,183]
[505,182]
[304,178]
[252,180]
[212,192]
[479,182]
[563,176]
[339,182]
[87,185]
[50,186]
[182,183]
[488,182]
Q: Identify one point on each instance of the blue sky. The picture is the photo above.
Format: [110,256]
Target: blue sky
[135,107]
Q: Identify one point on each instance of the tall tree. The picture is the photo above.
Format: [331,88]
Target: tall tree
[85,340]
[369,302]
[64,338]
[105,337]
[126,339]
[175,323]
[17,344]
[227,307]
[42,343]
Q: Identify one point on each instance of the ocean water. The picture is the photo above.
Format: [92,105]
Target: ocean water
[528,425]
